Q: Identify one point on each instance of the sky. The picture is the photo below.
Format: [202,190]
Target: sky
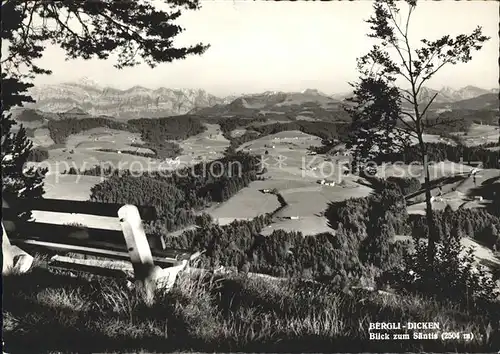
[261,46]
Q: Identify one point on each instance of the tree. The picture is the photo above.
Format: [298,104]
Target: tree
[376,247]
[17,180]
[203,220]
[133,30]
[379,124]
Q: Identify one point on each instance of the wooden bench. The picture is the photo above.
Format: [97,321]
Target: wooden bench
[129,244]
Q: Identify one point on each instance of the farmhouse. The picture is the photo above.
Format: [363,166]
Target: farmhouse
[329,182]
[326,182]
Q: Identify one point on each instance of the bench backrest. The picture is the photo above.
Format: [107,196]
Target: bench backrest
[130,243]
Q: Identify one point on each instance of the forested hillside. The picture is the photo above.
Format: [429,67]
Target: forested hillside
[478,224]
[458,120]
[154,132]
[340,258]
[60,129]
[326,130]
[176,195]
[440,151]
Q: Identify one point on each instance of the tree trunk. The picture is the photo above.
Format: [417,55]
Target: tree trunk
[431,242]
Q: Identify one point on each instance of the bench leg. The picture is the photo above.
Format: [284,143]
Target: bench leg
[139,250]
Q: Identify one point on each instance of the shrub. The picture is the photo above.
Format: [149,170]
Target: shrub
[203,220]
[453,276]
[38,155]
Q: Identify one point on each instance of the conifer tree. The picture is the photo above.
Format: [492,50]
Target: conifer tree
[18,180]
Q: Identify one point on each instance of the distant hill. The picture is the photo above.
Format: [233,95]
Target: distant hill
[486,101]
[446,97]
[464,93]
[28,115]
[76,111]
[308,103]
[33,118]
[314,104]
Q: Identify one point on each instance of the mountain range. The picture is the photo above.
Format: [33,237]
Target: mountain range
[274,102]
[449,95]
[137,102]
[445,95]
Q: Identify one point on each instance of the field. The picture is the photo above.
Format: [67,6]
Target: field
[247,204]
[314,200]
[81,150]
[436,170]
[481,134]
[286,156]
[294,174]
[306,117]
[207,146]
[291,169]
[432,138]
[307,98]
[71,187]
[460,194]
[42,138]
[308,225]
[61,159]
[237,132]
[104,138]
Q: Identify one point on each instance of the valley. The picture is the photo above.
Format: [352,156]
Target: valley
[291,185]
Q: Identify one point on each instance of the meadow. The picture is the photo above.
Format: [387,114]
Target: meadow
[57,313]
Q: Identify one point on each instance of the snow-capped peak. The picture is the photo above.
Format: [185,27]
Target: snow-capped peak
[447,90]
[270,93]
[86,81]
[310,91]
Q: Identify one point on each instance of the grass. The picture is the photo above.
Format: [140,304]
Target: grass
[247,203]
[60,313]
